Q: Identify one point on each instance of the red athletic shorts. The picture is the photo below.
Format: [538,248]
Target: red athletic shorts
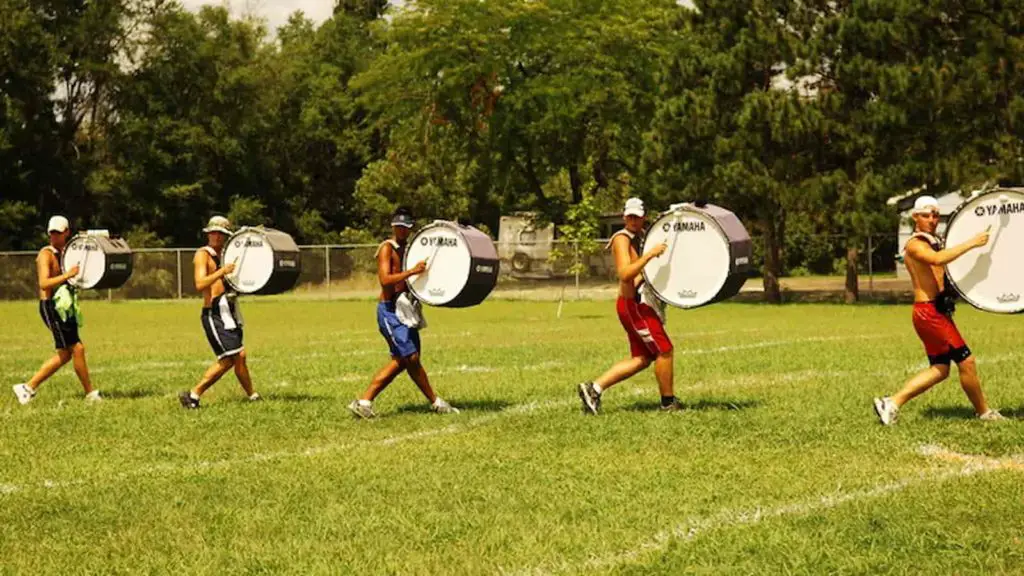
[942,341]
[646,333]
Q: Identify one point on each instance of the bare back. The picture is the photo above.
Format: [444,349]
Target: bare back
[928,280]
[625,252]
[389,261]
[205,264]
[47,266]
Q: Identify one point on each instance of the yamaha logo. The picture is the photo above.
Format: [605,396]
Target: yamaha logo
[1008,298]
[979,211]
[999,209]
[286,263]
[485,269]
[691,226]
[443,242]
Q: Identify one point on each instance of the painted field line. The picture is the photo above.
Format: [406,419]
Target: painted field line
[313,451]
[729,518]
[997,463]
[773,343]
[460,369]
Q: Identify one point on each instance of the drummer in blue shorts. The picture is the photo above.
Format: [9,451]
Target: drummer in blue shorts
[403,340]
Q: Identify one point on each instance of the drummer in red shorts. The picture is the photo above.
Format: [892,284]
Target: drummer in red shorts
[647,339]
[933,307]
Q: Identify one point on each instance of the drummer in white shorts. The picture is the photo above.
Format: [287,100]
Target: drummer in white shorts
[403,341]
[221,319]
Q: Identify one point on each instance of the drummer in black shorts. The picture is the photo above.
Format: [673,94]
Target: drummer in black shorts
[62,324]
[221,319]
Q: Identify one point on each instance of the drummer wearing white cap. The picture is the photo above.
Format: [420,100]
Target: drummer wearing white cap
[222,321]
[925,260]
[648,341]
[61,319]
[403,340]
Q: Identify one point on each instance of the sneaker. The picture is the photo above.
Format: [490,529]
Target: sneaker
[24,393]
[255,397]
[590,397]
[992,416]
[441,407]
[887,411]
[675,406]
[93,397]
[187,401]
[360,410]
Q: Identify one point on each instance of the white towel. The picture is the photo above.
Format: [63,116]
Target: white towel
[410,311]
[648,297]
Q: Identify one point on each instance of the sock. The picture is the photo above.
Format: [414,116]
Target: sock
[193,396]
[597,387]
[93,394]
[255,395]
[667,400]
[366,403]
[437,401]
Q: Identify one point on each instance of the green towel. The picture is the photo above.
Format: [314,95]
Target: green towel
[65,300]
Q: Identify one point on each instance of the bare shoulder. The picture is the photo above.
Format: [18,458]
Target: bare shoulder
[201,256]
[46,255]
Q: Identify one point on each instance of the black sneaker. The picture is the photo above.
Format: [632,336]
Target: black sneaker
[187,401]
[675,406]
[590,398]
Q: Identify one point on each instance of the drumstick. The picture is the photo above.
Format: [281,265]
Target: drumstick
[430,259]
[85,261]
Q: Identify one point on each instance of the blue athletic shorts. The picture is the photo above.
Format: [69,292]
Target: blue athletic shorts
[402,340]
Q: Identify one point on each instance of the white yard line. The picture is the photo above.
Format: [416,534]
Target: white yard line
[728,518]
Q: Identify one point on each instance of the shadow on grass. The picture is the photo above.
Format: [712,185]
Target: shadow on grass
[952,413]
[134,394]
[701,406]
[290,397]
[468,406]
[1015,413]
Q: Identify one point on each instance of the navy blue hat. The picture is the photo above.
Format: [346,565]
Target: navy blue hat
[403,217]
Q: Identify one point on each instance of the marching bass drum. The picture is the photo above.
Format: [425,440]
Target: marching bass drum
[462,264]
[267,261]
[991,277]
[707,259]
[104,262]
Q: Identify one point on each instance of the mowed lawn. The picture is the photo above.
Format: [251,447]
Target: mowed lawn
[777,466]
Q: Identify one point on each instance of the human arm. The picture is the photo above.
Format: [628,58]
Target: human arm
[626,269]
[921,251]
[43,267]
[384,273]
[203,279]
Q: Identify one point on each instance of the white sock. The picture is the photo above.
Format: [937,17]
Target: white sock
[438,401]
[366,403]
[597,388]
[93,394]
[193,396]
[254,396]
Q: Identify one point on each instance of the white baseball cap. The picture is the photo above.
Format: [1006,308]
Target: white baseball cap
[58,224]
[925,204]
[634,207]
[218,224]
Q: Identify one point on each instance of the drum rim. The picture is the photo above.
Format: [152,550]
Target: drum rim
[721,231]
[64,256]
[949,223]
[405,257]
[224,251]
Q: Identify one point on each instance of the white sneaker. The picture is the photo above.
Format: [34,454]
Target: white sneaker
[442,407]
[887,410]
[992,416]
[24,393]
[362,411]
[93,397]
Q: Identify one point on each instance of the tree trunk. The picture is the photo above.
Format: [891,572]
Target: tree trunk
[576,183]
[852,289]
[773,261]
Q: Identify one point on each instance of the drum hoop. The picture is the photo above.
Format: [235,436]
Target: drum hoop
[643,271]
[949,223]
[435,224]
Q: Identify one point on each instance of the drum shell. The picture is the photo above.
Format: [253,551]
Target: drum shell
[286,267]
[484,265]
[118,261]
[740,251]
[957,219]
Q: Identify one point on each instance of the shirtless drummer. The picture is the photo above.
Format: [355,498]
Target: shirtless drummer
[933,316]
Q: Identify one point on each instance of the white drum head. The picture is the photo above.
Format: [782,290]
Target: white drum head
[85,252]
[991,277]
[695,266]
[253,257]
[448,261]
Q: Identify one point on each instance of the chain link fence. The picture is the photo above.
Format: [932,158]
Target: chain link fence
[346,271]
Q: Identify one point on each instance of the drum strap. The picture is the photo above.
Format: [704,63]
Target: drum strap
[213,254]
[634,239]
[393,244]
[931,239]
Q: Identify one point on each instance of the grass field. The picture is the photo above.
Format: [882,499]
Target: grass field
[778,465]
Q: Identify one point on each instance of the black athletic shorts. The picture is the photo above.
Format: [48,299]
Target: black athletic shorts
[222,322]
[65,333]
